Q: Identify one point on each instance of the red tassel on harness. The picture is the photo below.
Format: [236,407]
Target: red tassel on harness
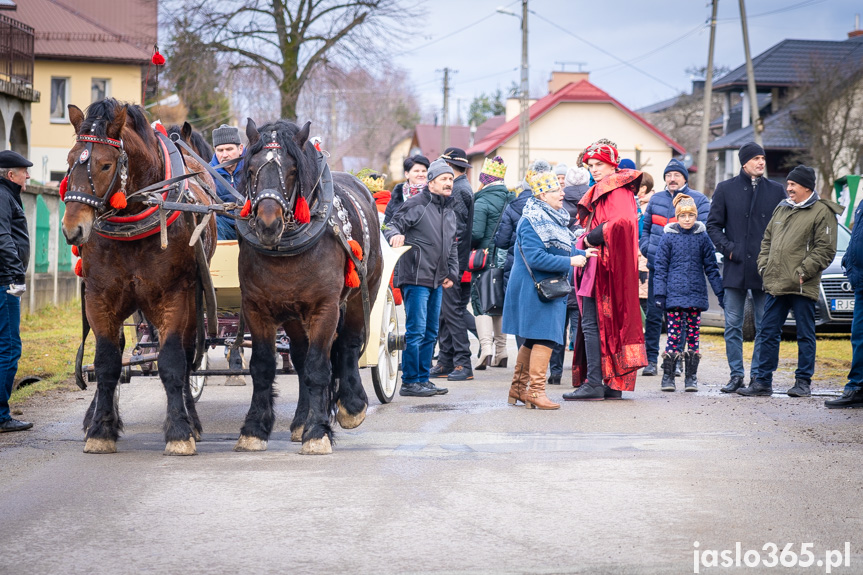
[158,59]
[79,268]
[64,183]
[352,278]
[301,211]
[76,252]
[118,201]
[247,209]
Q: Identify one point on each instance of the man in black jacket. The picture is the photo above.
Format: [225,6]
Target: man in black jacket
[455,320]
[14,257]
[741,208]
[427,223]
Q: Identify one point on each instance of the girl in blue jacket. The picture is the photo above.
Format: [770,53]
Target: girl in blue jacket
[684,255]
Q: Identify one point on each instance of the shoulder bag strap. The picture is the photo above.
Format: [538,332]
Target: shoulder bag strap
[494,233]
[524,259]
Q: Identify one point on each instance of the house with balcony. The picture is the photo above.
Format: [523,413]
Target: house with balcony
[84,51]
[16,80]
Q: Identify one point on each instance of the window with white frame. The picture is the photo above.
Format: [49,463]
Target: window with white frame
[59,100]
[100,88]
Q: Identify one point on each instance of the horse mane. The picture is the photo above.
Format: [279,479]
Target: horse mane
[304,158]
[202,147]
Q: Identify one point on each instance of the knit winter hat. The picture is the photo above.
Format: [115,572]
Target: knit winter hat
[543,182]
[439,167]
[560,169]
[576,177]
[626,164]
[493,170]
[803,175]
[602,151]
[226,134]
[749,151]
[676,165]
[684,204]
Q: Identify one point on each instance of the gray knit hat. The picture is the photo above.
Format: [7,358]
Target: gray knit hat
[439,167]
[560,170]
[226,134]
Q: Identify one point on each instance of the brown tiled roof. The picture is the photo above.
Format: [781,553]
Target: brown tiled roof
[92,30]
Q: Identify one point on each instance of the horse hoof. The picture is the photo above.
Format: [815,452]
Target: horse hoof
[94,445]
[320,446]
[249,443]
[297,435]
[181,447]
[348,421]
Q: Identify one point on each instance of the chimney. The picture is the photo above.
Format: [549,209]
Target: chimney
[857,31]
[560,79]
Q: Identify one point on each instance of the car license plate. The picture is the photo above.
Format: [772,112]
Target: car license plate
[841,305]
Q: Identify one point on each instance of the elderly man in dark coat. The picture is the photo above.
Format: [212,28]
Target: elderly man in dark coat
[455,321]
[742,206]
[14,257]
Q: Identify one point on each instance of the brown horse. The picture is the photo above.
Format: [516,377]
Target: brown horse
[117,149]
[303,287]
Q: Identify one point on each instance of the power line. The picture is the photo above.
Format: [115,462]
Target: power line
[803,4]
[695,30]
[604,51]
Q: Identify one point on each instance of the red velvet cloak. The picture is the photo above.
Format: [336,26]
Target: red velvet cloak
[612,202]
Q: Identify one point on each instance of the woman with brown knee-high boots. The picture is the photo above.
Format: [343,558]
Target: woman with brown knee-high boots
[545,248]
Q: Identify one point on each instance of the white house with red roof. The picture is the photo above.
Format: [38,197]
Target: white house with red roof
[574,114]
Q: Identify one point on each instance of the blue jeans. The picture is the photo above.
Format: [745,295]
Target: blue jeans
[855,375]
[226,229]
[422,317]
[735,300]
[775,314]
[652,323]
[10,347]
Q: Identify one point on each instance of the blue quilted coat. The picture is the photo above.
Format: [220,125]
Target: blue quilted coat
[682,259]
[658,213]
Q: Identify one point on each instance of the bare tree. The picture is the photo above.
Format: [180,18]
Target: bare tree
[288,40]
[828,110]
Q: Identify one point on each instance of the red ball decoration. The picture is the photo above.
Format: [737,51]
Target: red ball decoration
[158,59]
[64,183]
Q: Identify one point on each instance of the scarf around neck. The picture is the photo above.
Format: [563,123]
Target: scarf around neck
[409,190]
[549,224]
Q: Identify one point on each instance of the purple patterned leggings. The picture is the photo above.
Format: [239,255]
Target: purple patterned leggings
[683,322]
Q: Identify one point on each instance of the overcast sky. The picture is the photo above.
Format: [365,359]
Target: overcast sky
[659,39]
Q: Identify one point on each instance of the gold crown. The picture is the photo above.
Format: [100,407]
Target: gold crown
[543,182]
[492,168]
[373,181]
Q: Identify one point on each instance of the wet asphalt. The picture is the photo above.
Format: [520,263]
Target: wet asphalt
[460,483]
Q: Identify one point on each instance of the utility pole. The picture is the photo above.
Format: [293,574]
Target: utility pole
[444,144]
[524,116]
[757,126]
[701,175]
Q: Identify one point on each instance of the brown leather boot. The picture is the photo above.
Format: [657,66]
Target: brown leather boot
[520,376]
[535,397]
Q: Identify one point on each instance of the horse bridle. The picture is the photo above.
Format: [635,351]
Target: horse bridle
[274,157]
[121,169]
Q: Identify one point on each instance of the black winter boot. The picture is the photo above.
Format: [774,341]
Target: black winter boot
[800,389]
[669,360]
[691,358]
[756,388]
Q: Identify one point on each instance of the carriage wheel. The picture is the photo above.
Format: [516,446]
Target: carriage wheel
[385,374]
[197,382]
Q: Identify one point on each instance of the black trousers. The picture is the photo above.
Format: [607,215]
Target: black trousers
[454,325]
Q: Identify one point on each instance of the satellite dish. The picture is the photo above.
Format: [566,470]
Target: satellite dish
[687,161]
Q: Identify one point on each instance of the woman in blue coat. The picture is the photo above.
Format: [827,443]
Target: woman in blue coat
[545,243]
[684,255]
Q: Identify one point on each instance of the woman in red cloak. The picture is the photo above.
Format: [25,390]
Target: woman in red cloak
[609,348]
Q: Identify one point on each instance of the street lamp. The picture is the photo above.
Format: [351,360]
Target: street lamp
[524,117]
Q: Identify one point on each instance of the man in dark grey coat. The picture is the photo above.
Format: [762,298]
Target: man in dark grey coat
[14,257]
[741,208]
[455,320]
[427,223]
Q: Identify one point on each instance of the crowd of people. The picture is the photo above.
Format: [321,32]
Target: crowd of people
[590,253]
[593,255]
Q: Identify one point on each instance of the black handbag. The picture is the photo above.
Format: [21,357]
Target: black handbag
[548,289]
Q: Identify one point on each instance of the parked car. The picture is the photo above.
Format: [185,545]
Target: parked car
[833,310]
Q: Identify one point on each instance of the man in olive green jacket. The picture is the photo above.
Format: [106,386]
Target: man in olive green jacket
[799,243]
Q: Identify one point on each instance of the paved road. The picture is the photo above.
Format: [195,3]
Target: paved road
[461,483]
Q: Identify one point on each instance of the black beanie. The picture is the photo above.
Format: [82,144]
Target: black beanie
[749,151]
[803,175]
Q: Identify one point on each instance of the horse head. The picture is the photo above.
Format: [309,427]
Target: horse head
[109,152]
[280,168]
